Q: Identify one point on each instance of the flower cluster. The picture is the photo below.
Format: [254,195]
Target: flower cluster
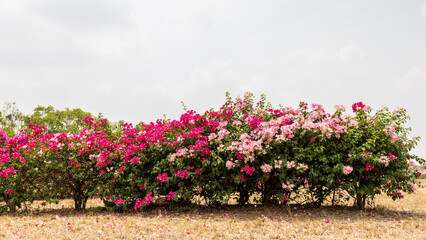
[5,173]
[162,177]
[360,106]
[369,167]
[347,170]
[243,148]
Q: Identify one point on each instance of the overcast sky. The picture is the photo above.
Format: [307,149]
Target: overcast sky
[137,60]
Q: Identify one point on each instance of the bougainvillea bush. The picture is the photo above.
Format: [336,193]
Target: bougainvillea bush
[245,149]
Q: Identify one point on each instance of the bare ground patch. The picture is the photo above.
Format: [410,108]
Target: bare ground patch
[401,219]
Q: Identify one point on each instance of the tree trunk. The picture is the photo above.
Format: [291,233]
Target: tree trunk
[267,195]
[334,195]
[9,203]
[11,207]
[360,198]
[80,199]
[244,197]
[360,201]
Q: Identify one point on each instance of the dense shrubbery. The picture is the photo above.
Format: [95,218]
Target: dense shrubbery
[245,147]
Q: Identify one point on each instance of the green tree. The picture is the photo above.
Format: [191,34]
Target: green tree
[11,119]
[58,121]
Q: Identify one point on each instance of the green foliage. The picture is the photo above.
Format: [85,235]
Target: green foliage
[58,121]
[11,119]
[247,148]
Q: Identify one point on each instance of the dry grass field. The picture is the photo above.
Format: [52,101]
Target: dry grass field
[401,219]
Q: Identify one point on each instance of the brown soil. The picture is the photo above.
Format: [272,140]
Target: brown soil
[401,219]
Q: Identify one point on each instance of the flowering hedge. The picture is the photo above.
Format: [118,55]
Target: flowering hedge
[244,149]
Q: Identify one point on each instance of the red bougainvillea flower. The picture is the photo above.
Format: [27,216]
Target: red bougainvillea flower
[162,177]
[357,106]
[118,201]
[369,167]
[5,173]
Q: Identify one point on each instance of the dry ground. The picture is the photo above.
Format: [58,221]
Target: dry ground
[401,219]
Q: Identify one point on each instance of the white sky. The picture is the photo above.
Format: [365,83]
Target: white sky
[137,60]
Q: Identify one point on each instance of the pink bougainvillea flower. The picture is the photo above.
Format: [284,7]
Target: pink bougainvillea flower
[121,169]
[266,168]
[5,173]
[230,164]
[206,152]
[340,108]
[347,170]
[135,160]
[289,186]
[353,123]
[366,108]
[141,202]
[118,201]
[170,195]
[182,174]
[239,156]
[360,106]
[255,122]
[162,177]
[248,170]
[357,106]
